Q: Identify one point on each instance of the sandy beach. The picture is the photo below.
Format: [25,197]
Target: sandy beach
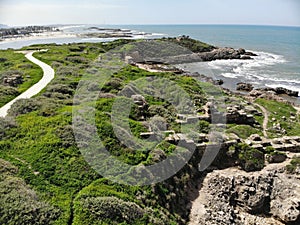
[37,36]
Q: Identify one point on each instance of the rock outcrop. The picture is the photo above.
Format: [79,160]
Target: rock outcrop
[285,199]
[225,53]
[280,91]
[183,56]
[283,144]
[244,87]
[13,80]
[232,196]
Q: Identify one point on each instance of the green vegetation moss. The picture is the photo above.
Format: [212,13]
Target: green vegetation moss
[243,131]
[294,165]
[282,113]
[191,44]
[250,159]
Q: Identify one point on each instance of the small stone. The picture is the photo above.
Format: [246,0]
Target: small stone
[252,189]
[255,137]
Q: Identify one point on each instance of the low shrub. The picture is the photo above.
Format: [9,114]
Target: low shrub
[5,125]
[18,203]
[7,93]
[114,84]
[294,166]
[112,208]
[61,88]
[250,159]
[76,59]
[3,60]
[23,106]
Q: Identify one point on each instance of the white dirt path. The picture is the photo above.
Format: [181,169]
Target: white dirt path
[36,88]
[266,119]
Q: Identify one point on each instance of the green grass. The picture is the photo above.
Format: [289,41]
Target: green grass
[279,110]
[191,44]
[243,131]
[43,146]
[44,149]
[39,147]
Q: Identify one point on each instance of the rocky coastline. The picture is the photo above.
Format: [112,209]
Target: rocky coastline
[215,54]
[232,191]
[16,33]
[246,87]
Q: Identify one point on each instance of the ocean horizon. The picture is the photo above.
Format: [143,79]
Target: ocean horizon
[278,49]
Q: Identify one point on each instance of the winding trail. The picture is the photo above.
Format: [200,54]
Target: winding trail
[266,119]
[36,88]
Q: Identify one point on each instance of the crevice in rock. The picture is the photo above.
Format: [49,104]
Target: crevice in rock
[71,217]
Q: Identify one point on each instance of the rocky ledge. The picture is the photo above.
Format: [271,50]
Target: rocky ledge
[171,52]
[267,91]
[226,53]
[247,87]
[281,91]
[232,196]
[215,54]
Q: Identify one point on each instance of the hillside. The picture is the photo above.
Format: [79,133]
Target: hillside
[50,167]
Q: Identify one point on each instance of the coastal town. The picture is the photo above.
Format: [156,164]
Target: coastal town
[21,32]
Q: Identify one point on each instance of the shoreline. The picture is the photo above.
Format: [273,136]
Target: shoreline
[227,82]
[294,101]
[38,36]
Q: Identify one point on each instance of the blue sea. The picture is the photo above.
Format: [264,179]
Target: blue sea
[278,50]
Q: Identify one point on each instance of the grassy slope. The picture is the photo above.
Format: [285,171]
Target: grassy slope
[282,113]
[41,145]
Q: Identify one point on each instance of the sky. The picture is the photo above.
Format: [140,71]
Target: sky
[254,12]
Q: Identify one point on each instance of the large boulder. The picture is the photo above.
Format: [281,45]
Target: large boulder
[249,54]
[256,93]
[225,53]
[280,91]
[244,87]
[276,157]
[285,91]
[232,196]
[13,80]
[285,199]
[255,137]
